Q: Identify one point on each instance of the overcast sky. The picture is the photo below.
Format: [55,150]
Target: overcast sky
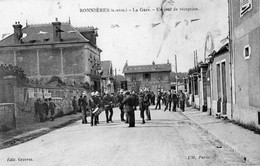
[139,37]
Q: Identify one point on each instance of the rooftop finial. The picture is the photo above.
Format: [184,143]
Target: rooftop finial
[69,21]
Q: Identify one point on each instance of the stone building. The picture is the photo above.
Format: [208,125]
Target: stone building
[59,49]
[154,77]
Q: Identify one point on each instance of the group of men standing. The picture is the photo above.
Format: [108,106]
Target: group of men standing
[91,105]
[42,109]
[171,97]
[128,103]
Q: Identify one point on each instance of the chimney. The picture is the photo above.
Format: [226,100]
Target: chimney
[56,30]
[153,63]
[18,33]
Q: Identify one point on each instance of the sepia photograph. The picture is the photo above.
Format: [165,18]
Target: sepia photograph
[130,83]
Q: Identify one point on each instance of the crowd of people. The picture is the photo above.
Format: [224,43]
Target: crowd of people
[127,101]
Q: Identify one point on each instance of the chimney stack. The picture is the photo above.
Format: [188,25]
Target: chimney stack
[56,30]
[18,33]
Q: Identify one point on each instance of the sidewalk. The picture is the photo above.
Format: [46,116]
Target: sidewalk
[242,141]
[30,131]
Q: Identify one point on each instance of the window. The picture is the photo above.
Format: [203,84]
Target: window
[247,52]
[147,77]
[245,6]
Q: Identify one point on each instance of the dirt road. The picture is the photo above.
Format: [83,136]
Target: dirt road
[168,139]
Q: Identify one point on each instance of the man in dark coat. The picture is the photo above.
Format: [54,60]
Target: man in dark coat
[147,104]
[120,99]
[84,105]
[80,103]
[39,110]
[129,104]
[182,100]
[45,106]
[92,107]
[52,107]
[108,101]
[152,98]
[74,105]
[135,99]
[98,103]
[141,106]
[175,101]
[168,101]
[158,103]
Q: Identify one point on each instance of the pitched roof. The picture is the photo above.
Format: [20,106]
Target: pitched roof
[43,34]
[148,68]
[106,66]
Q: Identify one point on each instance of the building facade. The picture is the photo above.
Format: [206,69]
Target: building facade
[220,87]
[233,73]
[245,60]
[154,77]
[56,49]
[107,83]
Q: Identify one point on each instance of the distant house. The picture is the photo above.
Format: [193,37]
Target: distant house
[56,49]
[154,77]
[107,80]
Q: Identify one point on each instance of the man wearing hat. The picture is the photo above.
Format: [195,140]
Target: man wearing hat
[108,107]
[74,105]
[84,110]
[98,103]
[52,107]
[92,107]
[128,102]
[182,100]
[141,106]
[120,99]
[159,97]
[147,104]
[174,100]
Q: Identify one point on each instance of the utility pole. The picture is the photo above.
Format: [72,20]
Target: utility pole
[176,73]
[231,56]
[194,58]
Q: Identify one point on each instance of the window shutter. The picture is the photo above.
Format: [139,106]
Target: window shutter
[245,6]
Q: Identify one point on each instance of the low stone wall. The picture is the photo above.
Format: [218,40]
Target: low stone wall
[7,116]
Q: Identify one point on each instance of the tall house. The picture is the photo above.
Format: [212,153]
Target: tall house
[245,60]
[59,49]
[107,78]
[154,77]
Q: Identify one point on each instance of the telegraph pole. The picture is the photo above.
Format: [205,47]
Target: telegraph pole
[176,73]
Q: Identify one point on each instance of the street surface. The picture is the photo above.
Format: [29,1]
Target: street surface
[169,139]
